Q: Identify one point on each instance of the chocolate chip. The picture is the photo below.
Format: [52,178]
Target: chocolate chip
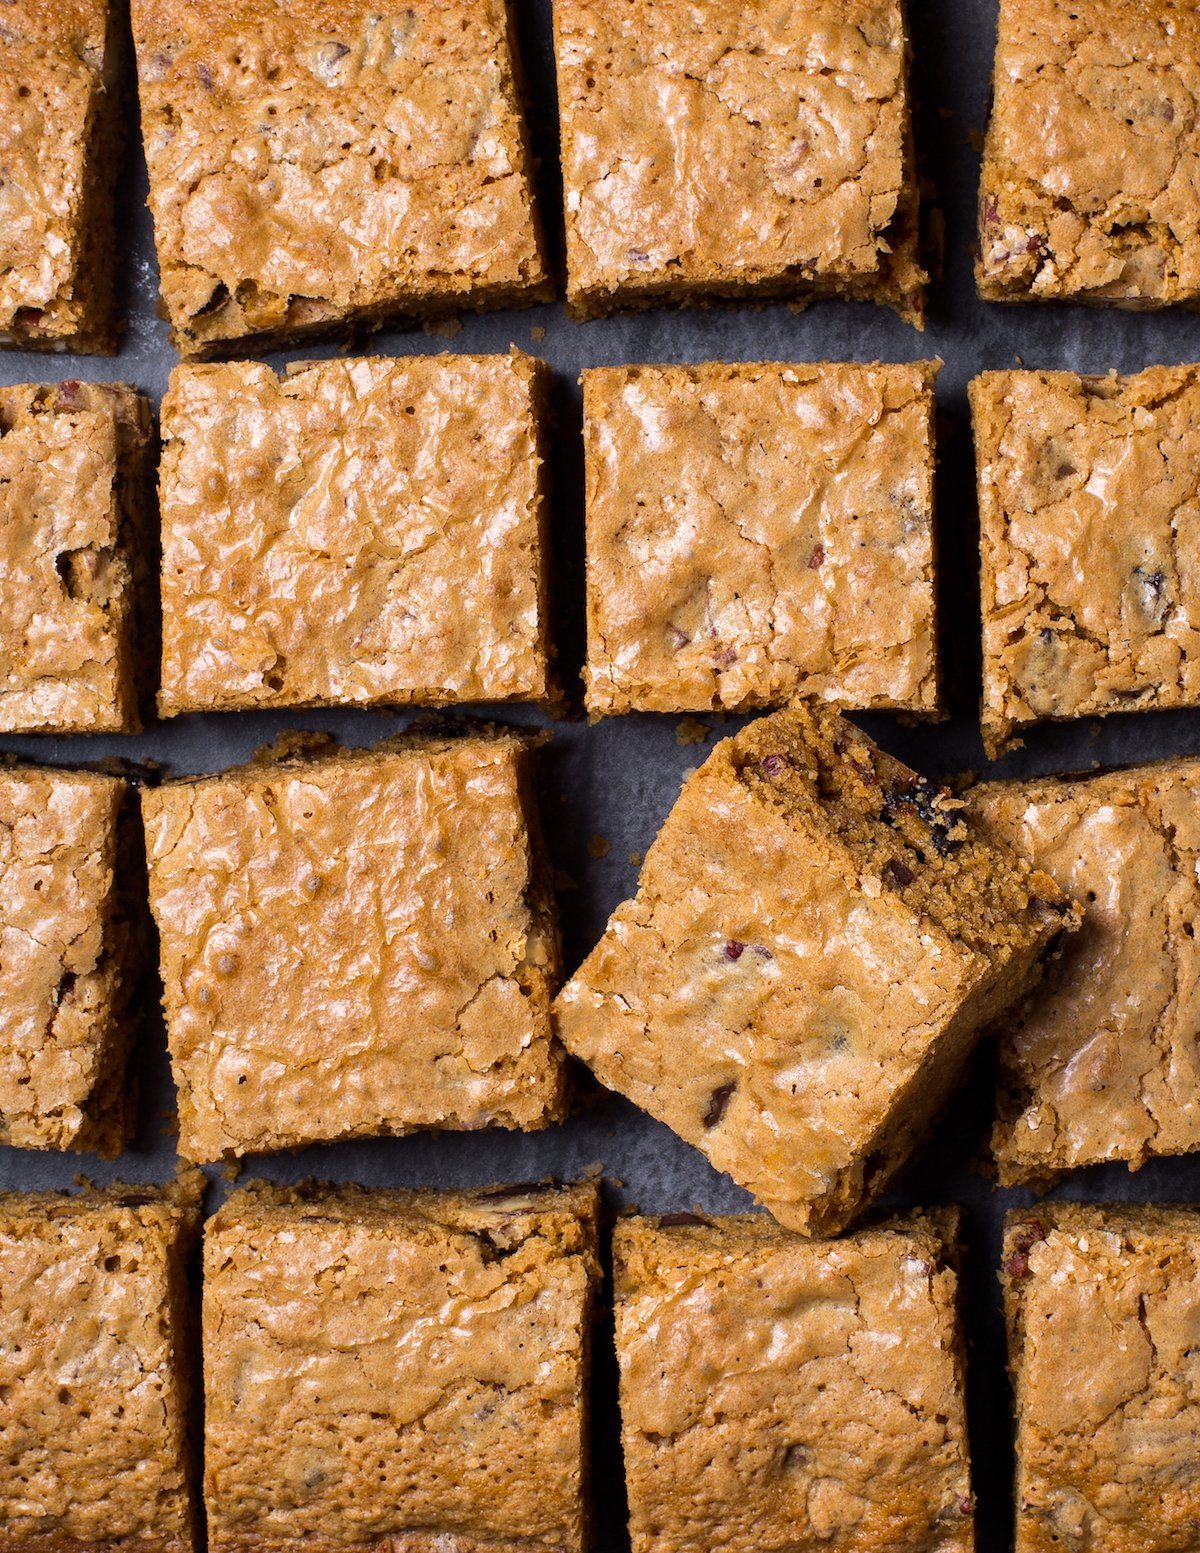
[897,873]
[734,949]
[676,637]
[923,799]
[717,1105]
[678,1220]
[1036,243]
[1024,1241]
[205,74]
[773,765]
[817,559]
[1064,471]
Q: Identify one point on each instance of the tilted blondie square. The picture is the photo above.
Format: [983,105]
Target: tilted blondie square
[356,943]
[96,1372]
[1102,1062]
[357,532]
[818,936]
[1103,1308]
[59,138]
[316,165]
[759,533]
[1089,186]
[75,516]
[69,932]
[1089,558]
[714,148]
[401,1370]
[780,1393]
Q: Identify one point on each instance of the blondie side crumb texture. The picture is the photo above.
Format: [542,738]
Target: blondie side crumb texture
[96,1371]
[354,945]
[399,1370]
[780,1393]
[1103,1061]
[59,139]
[1090,564]
[713,148]
[68,941]
[817,937]
[321,164]
[1089,185]
[759,533]
[358,532]
[1103,1309]
[75,496]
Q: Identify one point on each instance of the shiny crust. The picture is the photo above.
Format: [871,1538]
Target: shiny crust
[1092,161]
[816,940]
[355,944]
[806,497]
[714,147]
[1106,468]
[95,1454]
[399,1370]
[778,1393]
[1102,1063]
[59,131]
[1103,1308]
[67,941]
[358,532]
[316,164]
[74,496]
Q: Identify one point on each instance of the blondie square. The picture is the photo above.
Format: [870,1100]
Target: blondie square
[75,496]
[1089,189]
[1103,1308]
[401,1370]
[780,1393]
[68,936]
[59,138]
[1090,559]
[358,532]
[1103,1062]
[759,533]
[713,148]
[315,165]
[817,938]
[96,1371]
[355,943]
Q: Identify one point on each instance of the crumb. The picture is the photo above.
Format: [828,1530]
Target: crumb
[598,846]
[232,1169]
[690,730]
[537,334]
[593,1171]
[637,859]
[444,328]
[975,139]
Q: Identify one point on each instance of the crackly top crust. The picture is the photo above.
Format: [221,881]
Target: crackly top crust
[757,533]
[1092,158]
[61,976]
[93,1435]
[1102,1062]
[1090,575]
[398,1369]
[354,945]
[70,556]
[311,162]
[815,939]
[1104,1310]
[56,73]
[778,1393]
[357,531]
[716,146]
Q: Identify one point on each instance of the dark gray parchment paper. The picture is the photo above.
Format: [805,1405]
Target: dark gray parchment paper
[617,780]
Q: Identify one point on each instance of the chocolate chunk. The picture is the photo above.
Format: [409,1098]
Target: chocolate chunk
[734,949]
[717,1105]
[674,1220]
[897,873]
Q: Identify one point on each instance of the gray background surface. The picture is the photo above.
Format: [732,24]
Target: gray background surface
[617,780]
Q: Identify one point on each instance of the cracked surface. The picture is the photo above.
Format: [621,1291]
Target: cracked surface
[355,945]
[778,1393]
[313,163]
[1104,1315]
[1089,490]
[357,532]
[95,1372]
[1104,1062]
[1092,159]
[816,938]
[758,533]
[74,471]
[399,1370]
[58,143]
[714,147]
[66,952]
